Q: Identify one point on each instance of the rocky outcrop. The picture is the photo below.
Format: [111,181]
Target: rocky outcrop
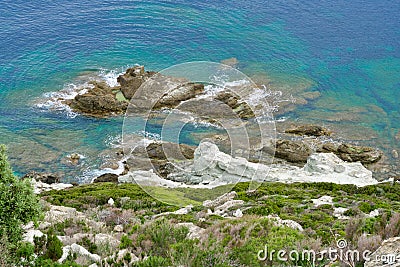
[107,177]
[80,251]
[147,178]
[195,232]
[386,255]
[353,153]
[31,234]
[225,205]
[310,130]
[132,80]
[163,92]
[174,151]
[291,151]
[39,187]
[98,101]
[288,223]
[213,167]
[240,107]
[46,178]
[181,93]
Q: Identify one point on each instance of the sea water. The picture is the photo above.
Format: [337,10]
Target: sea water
[349,51]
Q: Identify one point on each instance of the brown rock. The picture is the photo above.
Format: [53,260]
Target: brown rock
[292,151]
[365,155]
[181,93]
[310,130]
[174,151]
[353,153]
[99,101]
[132,80]
[107,177]
[241,108]
[46,178]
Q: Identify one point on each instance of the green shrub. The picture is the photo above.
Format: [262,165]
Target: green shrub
[18,203]
[366,207]
[152,261]
[88,244]
[53,246]
[126,242]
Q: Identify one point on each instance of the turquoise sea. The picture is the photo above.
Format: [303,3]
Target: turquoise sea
[349,51]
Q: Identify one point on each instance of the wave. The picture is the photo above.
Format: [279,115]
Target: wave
[55,101]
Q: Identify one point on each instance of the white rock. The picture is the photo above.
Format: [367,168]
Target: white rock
[105,239]
[39,187]
[216,168]
[238,213]
[324,200]
[289,223]
[224,208]
[93,265]
[119,228]
[79,250]
[220,200]
[28,226]
[195,232]
[184,210]
[30,234]
[374,213]
[110,202]
[338,213]
[44,225]
[181,211]
[147,178]
[386,254]
[60,214]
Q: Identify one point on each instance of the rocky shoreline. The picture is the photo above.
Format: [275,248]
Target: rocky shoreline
[294,147]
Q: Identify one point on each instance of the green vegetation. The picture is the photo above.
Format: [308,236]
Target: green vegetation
[222,242]
[18,205]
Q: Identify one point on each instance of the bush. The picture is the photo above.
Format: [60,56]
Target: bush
[53,246]
[18,203]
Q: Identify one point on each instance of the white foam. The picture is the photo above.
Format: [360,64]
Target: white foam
[110,76]
[54,101]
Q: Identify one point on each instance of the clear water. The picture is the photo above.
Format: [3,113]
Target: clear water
[347,50]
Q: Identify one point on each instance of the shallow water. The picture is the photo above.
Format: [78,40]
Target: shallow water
[348,51]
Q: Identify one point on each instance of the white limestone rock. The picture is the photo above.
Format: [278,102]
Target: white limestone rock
[79,250]
[324,200]
[213,167]
[195,232]
[147,178]
[39,187]
[30,234]
[289,223]
[386,254]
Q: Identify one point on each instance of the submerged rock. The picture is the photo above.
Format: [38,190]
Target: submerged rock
[231,62]
[240,107]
